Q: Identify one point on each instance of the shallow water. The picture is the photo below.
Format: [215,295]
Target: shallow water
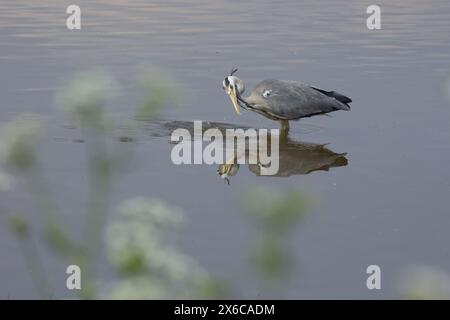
[387,206]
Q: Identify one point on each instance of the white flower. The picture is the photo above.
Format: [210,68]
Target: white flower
[150,211]
[85,96]
[18,139]
[137,249]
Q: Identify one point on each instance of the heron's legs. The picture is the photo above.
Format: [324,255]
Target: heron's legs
[284,130]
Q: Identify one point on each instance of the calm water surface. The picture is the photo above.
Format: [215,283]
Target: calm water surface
[385,202]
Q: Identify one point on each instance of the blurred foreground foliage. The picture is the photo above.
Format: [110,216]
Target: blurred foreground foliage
[425,282]
[145,264]
[277,214]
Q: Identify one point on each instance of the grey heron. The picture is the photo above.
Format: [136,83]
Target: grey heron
[284,100]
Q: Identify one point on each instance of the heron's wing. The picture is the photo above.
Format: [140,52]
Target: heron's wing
[292,100]
[338,96]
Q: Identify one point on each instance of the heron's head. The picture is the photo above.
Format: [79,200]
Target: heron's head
[234,88]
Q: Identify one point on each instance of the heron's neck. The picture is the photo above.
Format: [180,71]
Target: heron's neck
[242,101]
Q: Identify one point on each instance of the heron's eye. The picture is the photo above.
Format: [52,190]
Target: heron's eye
[267,93]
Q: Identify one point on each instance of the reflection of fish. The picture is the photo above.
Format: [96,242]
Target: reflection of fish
[228,170]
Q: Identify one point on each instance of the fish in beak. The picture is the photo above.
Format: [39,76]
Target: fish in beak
[231,91]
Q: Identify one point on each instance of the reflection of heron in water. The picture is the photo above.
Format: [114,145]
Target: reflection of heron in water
[295,158]
[284,100]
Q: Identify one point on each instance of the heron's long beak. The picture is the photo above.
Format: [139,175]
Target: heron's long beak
[233,96]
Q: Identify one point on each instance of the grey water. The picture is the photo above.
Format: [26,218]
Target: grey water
[385,200]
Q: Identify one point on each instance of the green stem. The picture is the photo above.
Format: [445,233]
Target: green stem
[100,180]
[38,274]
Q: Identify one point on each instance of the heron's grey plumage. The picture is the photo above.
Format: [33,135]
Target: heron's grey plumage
[292,100]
